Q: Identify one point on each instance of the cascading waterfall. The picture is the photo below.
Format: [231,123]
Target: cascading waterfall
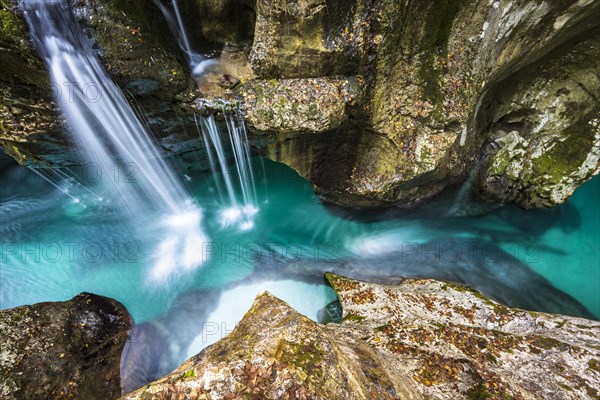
[238,137]
[197,62]
[236,212]
[109,134]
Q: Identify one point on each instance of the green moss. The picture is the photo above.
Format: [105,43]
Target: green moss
[265,115]
[439,325]
[594,365]
[383,328]
[438,24]
[463,289]
[566,387]
[10,25]
[13,35]
[546,343]
[306,356]
[500,309]
[564,158]
[593,393]
[425,154]
[491,358]
[354,318]
[189,374]
[22,314]
[478,392]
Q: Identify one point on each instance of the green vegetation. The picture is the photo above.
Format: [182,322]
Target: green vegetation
[478,392]
[354,318]
[189,374]
[438,24]
[564,158]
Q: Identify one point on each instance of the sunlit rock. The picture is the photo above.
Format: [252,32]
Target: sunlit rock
[419,339]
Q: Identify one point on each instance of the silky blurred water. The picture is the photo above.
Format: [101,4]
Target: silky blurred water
[54,247]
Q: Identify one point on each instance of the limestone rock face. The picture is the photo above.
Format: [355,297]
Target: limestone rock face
[63,350]
[456,343]
[214,23]
[135,44]
[306,39]
[440,81]
[276,353]
[295,106]
[545,139]
[420,339]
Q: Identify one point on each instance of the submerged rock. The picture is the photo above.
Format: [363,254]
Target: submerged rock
[418,339]
[156,347]
[64,350]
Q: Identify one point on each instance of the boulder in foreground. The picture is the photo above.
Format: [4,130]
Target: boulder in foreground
[419,339]
[63,350]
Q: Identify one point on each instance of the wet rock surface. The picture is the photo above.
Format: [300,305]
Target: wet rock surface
[64,350]
[418,339]
[30,128]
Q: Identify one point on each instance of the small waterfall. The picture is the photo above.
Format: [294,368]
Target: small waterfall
[197,62]
[461,202]
[237,211]
[109,134]
[240,212]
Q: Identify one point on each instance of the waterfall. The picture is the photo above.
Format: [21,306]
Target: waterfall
[235,211]
[197,62]
[240,212]
[109,134]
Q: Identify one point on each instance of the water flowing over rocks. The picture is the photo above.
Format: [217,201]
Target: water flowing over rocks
[415,340]
[134,44]
[66,350]
[385,103]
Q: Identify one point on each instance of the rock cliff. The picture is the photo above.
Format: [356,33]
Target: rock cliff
[377,103]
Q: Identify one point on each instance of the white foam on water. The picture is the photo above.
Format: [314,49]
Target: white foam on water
[305,298]
[109,134]
[182,249]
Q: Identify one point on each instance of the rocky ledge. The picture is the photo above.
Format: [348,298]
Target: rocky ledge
[419,339]
[64,350]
